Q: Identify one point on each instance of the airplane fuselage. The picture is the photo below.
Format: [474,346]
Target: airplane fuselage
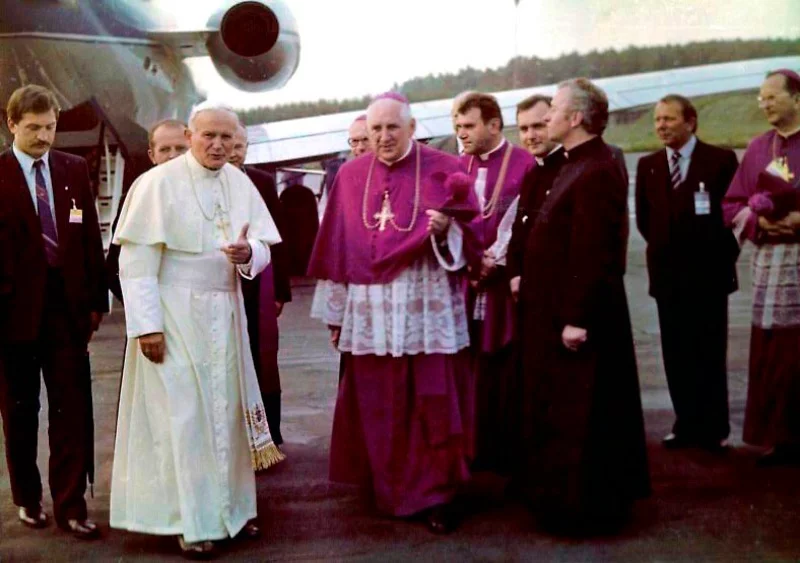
[85,49]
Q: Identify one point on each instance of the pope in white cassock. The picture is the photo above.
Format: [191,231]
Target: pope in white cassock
[191,427]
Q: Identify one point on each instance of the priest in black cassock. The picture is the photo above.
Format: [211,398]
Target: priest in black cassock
[265,295]
[584,432]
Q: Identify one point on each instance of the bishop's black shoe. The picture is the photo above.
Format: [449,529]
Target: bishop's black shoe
[442,519]
[779,455]
[674,441]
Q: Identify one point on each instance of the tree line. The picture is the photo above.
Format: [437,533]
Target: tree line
[523,72]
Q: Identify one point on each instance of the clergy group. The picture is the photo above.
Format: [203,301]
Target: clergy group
[473,287]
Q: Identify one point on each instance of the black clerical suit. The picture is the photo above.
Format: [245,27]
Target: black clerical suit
[46,325]
[532,193]
[264,353]
[583,431]
[691,262]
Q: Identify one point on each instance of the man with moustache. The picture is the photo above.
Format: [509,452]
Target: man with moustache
[584,443]
[266,294]
[691,261]
[53,273]
[167,140]
[402,424]
[761,205]
[191,426]
[497,168]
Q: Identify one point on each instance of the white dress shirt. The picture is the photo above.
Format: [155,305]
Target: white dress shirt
[26,162]
[686,156]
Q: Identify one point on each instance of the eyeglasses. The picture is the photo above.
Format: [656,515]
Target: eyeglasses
[769,99]
[358,141]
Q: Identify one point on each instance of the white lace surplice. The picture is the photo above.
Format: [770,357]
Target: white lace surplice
[422,311]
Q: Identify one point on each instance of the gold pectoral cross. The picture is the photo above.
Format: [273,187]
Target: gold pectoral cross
[222,222]
[385,214]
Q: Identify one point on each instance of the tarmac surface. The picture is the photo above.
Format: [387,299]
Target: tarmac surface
[704,507]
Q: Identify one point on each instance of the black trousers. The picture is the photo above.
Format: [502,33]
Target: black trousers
[694,339]
[60,355]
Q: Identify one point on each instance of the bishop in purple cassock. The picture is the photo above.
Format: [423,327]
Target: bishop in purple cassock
[392,249]
[497,169]
[763,206]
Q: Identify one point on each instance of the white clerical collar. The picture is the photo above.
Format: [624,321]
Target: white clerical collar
[686,150]
[26,161]
[199,169]
[405,154]
[540,159]
[485,156]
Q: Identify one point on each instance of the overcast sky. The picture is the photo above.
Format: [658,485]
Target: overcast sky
[356,47]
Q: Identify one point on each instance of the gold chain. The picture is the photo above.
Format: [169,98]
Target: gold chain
[375,225]
[498,185]
[197,197]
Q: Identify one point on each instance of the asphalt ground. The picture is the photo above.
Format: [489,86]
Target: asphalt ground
[704,507]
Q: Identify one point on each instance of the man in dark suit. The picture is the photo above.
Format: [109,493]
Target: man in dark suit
[691,259]
[266,294]
[58,297]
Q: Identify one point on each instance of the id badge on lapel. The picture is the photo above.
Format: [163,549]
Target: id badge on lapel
[75,214]
[702,202]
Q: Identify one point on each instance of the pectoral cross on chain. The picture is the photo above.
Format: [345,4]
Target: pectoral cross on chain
[222,222]
[385,214]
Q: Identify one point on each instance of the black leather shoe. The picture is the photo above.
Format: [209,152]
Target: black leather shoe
[715,446]
[82,529]
[442,519]
[33,516]
[676,441]
[779,455]
[251,530]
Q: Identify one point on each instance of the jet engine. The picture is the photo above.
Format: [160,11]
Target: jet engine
[254,44]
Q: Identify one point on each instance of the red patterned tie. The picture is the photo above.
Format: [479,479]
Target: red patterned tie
[49,233]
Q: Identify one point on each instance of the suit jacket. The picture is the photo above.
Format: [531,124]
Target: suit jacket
[687,252]
[280,259]
[80,248]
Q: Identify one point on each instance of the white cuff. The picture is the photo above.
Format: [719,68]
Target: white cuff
[260,256]
[329,302]
[740,224]
[143,313]
[455,243]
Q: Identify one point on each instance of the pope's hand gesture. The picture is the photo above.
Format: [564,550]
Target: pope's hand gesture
[153,346]
[239,252]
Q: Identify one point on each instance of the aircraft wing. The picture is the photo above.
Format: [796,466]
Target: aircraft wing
[312,138]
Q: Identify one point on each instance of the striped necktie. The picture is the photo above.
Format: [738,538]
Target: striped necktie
[49,233]
[675,170]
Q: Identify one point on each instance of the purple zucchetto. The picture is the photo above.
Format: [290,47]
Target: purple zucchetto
[788,73]
[396,96]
